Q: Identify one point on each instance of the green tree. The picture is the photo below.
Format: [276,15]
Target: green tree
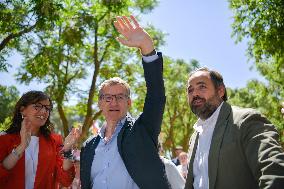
[82,44]
[18,19]
[262,23]
[8,99]
[178,119]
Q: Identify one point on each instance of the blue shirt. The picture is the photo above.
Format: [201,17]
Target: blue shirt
[108,170]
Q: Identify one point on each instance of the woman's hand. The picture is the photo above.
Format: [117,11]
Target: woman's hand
[25,133]
[72,138]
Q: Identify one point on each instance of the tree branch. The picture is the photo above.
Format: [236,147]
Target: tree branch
[15,35]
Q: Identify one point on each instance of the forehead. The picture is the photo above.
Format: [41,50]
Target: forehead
[183,155]
[199,77]
[43,102]
[114,89]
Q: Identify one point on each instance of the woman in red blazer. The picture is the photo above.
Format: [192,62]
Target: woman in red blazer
[30,155]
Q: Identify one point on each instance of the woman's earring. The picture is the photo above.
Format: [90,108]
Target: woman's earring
[22,116]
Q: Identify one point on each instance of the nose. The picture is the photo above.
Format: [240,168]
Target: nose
[195,93]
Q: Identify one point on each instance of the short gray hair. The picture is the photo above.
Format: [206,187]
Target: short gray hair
[114,81]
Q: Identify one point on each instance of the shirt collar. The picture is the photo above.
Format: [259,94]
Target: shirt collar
[118,127]
[202,125]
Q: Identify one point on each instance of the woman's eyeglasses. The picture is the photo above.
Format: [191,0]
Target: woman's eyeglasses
[39,106]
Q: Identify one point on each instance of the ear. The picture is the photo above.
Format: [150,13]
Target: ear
[221,91]
[129,102]
[22,109]
[100,104]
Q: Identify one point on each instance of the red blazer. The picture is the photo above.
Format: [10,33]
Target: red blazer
[49,169]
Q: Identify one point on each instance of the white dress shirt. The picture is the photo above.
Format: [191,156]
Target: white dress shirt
[200,165]
[31,160]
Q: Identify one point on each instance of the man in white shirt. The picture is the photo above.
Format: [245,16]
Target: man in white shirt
[232,147]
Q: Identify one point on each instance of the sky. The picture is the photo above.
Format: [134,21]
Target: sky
[196,29]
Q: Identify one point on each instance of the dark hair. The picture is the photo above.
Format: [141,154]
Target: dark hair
[28,98]
[216,78]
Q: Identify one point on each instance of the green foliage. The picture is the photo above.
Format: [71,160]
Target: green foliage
[5,124]
[178,118]
[262,22]
[8,99]
[19,18]
[82,44]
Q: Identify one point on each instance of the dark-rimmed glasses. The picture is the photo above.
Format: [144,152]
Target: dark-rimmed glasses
[38,107]
[117,97]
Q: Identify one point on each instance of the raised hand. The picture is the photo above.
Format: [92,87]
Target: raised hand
[72,138]
[25,132]
[133,34]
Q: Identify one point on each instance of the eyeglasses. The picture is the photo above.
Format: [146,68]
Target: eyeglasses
[118,97]
[39,106]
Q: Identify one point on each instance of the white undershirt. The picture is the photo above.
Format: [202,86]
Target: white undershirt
[31,160]
[200,165]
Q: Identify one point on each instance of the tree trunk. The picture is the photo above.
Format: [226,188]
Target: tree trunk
[63,119]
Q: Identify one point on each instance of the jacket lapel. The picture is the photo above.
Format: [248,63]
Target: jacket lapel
[87,159]
[129,122]
[217,138]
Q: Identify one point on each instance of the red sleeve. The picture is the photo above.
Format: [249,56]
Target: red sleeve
[8,142]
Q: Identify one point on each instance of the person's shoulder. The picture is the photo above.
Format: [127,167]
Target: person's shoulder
[244,115]
[7,138]
[244,112]
[57,138]
[4,135]
[55,135]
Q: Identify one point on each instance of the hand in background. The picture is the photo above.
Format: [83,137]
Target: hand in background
[133,34]
[282,109]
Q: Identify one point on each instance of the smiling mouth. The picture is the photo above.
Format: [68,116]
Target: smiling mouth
[197,102]
[40,117]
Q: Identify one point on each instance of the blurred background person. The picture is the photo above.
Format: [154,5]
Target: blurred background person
[183,167]
[178,150]
[175,179]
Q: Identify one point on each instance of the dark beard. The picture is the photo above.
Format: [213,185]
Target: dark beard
[205,111]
